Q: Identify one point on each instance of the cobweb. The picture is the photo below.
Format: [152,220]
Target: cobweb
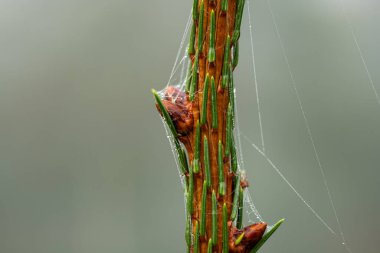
[181,72]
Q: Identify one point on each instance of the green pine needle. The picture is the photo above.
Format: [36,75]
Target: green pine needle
[214,219]
[191,49]
[206,160]
[224,5]
[239,221]
[214,104]
[238,240]
[190,193]
[195,10]
[196,238]
[211,50]
[235,205]
[188,231]
[205,98]
[209,246]
[200,28]
[165,114]
[222,185]
[202,224]
[225,71]
[229,130]
[225,229]
[267,236]
[194,77]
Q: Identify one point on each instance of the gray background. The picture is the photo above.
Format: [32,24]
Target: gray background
[85,165]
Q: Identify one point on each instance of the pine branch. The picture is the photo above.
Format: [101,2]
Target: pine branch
[201,121]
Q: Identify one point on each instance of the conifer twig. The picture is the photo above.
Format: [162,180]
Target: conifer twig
[201,122]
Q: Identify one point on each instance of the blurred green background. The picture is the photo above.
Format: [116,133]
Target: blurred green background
[85,165]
